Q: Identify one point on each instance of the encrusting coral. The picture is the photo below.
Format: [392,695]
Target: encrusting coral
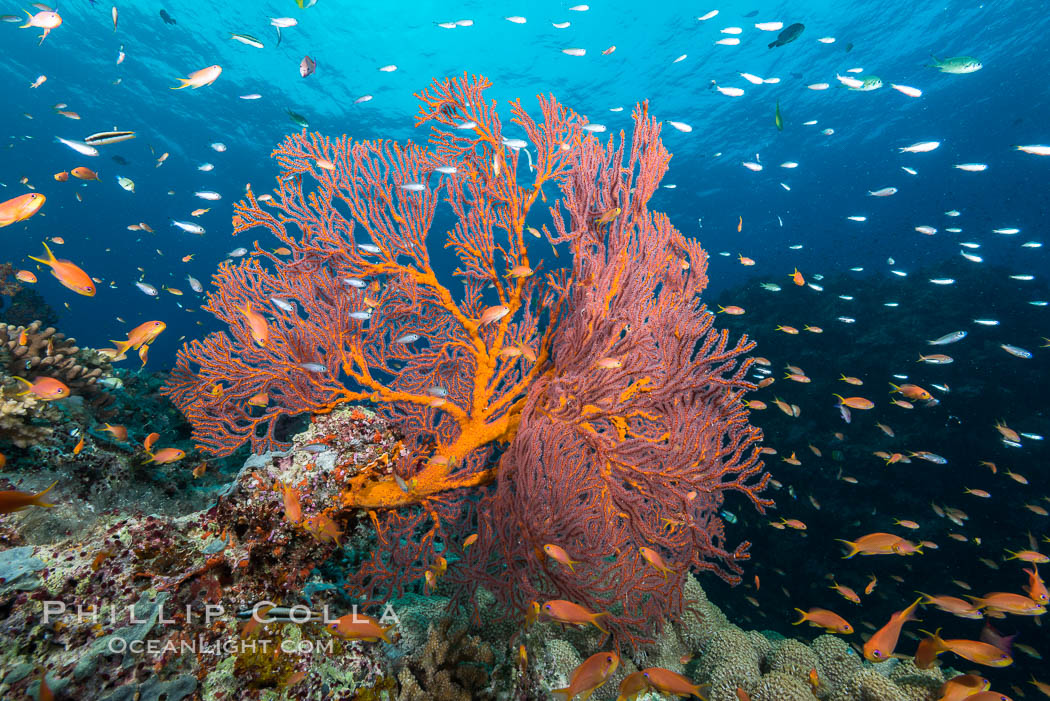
[32,352]
[46,352]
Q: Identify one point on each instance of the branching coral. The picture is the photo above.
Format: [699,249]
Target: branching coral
[595,407]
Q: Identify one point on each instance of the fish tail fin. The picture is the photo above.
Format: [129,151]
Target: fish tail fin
[27,24]
[896,388]
[30,384]
[384,634]
[50,256]
[36,497]
[184,84]
[909,613]
[801,620]
[853,548]
[122,347]
[594,620]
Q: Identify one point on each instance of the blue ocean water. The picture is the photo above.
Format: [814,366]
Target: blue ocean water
[977,117]
[788,218]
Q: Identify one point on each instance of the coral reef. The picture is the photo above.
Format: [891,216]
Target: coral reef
[250,542]
[452,666]
[26,306]
[596,407]
[32,352]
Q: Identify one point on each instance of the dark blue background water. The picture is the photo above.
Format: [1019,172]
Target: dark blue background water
[977,117]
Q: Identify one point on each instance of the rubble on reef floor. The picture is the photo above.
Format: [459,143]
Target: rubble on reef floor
[244,547]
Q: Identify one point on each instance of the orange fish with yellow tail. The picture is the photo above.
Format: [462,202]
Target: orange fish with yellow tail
[68,273]
[591,674]
[883,642]
[198,79]
[568,612]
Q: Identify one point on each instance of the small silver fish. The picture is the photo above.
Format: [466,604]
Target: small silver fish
[188,227]
[368,247]
[147,288]
[195,284]
[947,338]
[313,367]
[361,316]
[1015,351]
[237,252]
[355,282]
[281,304]
[407,338]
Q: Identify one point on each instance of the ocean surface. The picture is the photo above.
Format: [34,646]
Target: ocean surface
[832,193]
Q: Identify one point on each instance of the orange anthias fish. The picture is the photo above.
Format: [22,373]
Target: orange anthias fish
[82,173]
[591,674]
[166,455]
[973,650]
[68,274]
[632,686]
[796,277]
[953,605]
[148,441]
[872,544]
[1007,602]
[323,528]
[859,403]
[568,612]
[11,501]
[257,325]
[668,682]
[45,388]
[46,20]
[558,553]
[654,559]
[141,335]
[846,593]
[963,686]
[823,618]
[20,208]
[1035,588]
[293,512]
[881,645]
[198,79]
[913,392]
[492,314]
[357,626]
